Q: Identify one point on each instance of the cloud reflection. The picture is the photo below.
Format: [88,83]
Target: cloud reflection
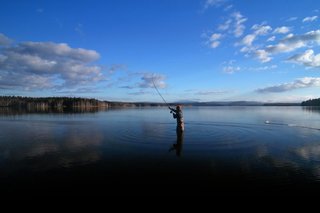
[47,145]
[310,152]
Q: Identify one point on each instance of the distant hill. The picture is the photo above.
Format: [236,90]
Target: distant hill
[227,103]
[241,103]
[311,102]
[282,104]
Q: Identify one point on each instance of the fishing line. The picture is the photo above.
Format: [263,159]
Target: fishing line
[159,92]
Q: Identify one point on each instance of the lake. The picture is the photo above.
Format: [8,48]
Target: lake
[223,151]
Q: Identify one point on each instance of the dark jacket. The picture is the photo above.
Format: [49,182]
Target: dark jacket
[177,114]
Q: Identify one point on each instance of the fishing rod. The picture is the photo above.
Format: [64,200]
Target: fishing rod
[159,92]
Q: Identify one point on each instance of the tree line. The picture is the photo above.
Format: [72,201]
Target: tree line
[86,103]
[311,102]
[50,102]
[57,103]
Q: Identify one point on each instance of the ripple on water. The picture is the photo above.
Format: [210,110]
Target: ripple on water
[213,134]
[216,134]
[229,135]
[156,133]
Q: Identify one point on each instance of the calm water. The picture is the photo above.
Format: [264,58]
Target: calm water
[224,150]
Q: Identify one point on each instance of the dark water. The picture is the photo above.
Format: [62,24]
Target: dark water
[224,151]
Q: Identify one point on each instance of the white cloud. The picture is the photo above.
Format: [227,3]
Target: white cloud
[231,69]
[141,92]
[4,40]
[308,58]
[292,18]
[299,83]
[284,47]
[281,30]
[215,44]
[12,80]
[225,25]
[248,50]
[288,44]
[38,65]
[248,39]
[213,3]
[227,8]
[116,67]
[310,19]
[215,36]
[261,29]
[214,40]
[211,92]
[262,55]
[149,80]
[238,24]
[144,80]
[312,36]
[272,38]
[234,25]
[293,42]
[264,68]
[56,51]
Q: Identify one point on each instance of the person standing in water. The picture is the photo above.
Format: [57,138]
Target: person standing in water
[177,114]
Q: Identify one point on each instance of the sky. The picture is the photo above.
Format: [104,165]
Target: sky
[190,50]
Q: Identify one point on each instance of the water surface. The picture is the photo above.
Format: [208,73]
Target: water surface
[224,150]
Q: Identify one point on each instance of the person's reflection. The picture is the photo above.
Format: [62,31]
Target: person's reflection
[178,145]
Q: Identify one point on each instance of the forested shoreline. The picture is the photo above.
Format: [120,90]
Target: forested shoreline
[70,103]
[50,102]
[311,102]
[64,103]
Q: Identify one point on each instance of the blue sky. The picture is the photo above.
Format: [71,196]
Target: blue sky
[192,50]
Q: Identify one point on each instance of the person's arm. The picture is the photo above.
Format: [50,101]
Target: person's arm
[172,109]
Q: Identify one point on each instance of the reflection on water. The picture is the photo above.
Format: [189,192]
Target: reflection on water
[310,151]
[18,111]
[178,145]
[223,150]
[315,109]
[39,145]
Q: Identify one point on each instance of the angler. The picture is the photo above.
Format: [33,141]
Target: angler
[177,114]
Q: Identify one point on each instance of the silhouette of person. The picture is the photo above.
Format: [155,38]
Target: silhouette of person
[177,114]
